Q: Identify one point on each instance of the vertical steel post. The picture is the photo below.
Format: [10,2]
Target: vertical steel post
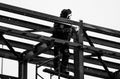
[22,69]
[2,63]
[78,54]
[36,71]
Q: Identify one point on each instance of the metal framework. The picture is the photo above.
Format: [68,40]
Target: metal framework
[79,48]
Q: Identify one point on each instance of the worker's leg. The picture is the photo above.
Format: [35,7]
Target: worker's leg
[56,53]
[65,57]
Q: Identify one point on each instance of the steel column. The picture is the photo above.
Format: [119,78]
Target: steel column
[78,55]
[36,71]
[22,69]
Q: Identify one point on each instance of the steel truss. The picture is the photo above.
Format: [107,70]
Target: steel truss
[79,48]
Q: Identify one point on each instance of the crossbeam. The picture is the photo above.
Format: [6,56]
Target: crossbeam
[39,38]
[23,23]
[18,44]
[48,29]
[7,77]
[35,14]
[88,70]
[85,50]
[32,36]
[56,73]
[88,60]
[52,18]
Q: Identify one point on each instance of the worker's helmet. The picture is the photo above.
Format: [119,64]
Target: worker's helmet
[65,13]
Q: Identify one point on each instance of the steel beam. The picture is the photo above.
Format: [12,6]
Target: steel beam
[23,23]
[39,60]
[18,44]
[87,70]
[7,77]
[52,18]
[102,30]
[22,69]
[104,52]
[39,38]
[36,72]
[104,42]
[95,61]
[35,14]
[56,73]
[78,55]
[9,46]
[7,54]
[31,36]
[39,27]
[99,56]
[88,60]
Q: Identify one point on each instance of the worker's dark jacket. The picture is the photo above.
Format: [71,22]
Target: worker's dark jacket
[62,31]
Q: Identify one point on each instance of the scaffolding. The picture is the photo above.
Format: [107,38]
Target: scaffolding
[78,46]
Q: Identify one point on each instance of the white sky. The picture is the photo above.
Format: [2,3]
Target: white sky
[98,12]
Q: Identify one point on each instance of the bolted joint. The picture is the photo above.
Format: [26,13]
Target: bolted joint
[80,47]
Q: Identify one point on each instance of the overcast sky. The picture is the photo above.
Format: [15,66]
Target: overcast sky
[105,13]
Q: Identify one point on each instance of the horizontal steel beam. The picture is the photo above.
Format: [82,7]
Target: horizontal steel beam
[7,77]
[104,42]
[39,38]
[6,54]
[35,14]
[23,23]
[52,18]
[18,44]
[100,29]
[50,71]
[88,60]
[94,61]
[31,36]
[39,27]
[101,51]
[89,71]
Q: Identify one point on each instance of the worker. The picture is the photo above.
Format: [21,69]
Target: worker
[64,32]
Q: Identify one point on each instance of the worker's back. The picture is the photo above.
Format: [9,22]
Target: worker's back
[62,31]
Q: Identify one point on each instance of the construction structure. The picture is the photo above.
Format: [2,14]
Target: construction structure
[78,46]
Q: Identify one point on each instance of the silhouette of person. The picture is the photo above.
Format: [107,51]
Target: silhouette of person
[62,31]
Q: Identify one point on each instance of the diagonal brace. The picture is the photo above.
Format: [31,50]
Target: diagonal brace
[98,54]
[9,46]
